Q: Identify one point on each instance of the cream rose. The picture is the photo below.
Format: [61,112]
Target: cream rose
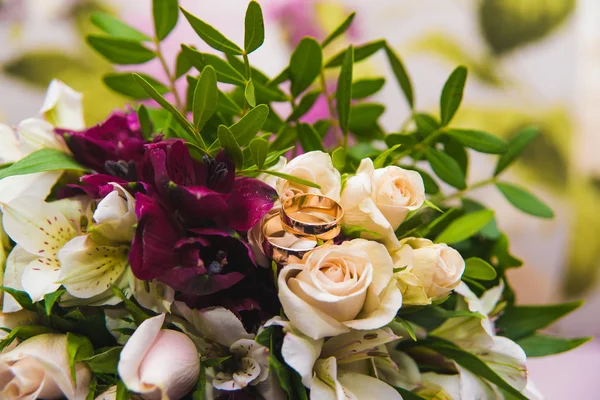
[430,270]
[159,363]
[341,287]
[314,166]
[39,368]
[379,200]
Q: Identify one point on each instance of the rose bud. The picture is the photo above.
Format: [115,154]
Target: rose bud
[159,363]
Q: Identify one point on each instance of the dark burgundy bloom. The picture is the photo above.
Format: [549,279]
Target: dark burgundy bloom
[119,138]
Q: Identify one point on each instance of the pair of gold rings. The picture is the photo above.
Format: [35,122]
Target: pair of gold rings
[304,222]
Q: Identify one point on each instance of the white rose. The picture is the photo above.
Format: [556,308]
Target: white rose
[159,363]
[338,288]
[314,166]
[431,270]
[379,200]
[39,368]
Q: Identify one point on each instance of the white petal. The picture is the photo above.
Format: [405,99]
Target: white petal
[153,295]
[40,277]
[39,227]
[88,269]
[9,151]
[16,262]
[63,106]
[448,385]
[390,303]
[115,217]
[214,323]
[109,394]
[36,134]
[474,387]
[36,185]
[507,359]
[365,387]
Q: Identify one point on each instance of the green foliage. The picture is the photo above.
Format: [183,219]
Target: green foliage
[360,53]
[366,87]
[524,201]
[340,30]
[78,348]
[40,161]
[538,345]
[446,168]
[211,36]
[465,227]
[114,27]
[476,268]
[206,97]
[401,75]
[515,148]
[166,14]
[121,51]
[124,83]
[105,362]
[344,90]
[452,94]
[305,65]
[254,28]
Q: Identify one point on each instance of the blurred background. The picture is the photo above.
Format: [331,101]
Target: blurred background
[530,62]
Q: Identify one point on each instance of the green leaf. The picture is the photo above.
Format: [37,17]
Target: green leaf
[136,312]
[426,124]
[408,327]
[122,392]
[185,124]
[407,140]
[343,94]
[249,94]
[250,124]
[458,153]
[199,392]
[40,161]
[146,124]
[227,106]
[254,28]
[523,200]
[401,75]
[279,79]
[23,333]
[364,117]
[306,103]
[476,366]
[78,348]
[230,145]
[259,148]
[225,72]
[20,297]
[366,87]
[120,51]
[305,65]
[407,394]
[447,314]
[464,227]
[117,28]
[476,268]
[338,157]
[211,36]
[105,362]
[92,389]
[206,97]
[166,14]
[343,27]
[452,94]
[538,345]
[266,94]
[478,140]
[516,147]
[518,322]
[309,138]
[50,299]
[446,168]
[124,83]
[360,53]
[292,178]
[381,159]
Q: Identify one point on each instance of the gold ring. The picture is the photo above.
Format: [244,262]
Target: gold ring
[312,215]
[282,246]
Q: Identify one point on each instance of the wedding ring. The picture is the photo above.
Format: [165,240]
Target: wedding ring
[282,246]
[312,215]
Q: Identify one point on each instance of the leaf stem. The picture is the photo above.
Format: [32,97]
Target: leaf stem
[248,77]
[332,114]
[474,186]
[170,77]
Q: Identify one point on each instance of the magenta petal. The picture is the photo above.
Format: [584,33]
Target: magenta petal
[153,248]
[249,201]
[200,205]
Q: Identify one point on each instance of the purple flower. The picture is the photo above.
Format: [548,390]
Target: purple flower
[102,147]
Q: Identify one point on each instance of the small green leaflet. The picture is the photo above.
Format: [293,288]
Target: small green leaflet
[407,394]
[206,97]
[105,362]
[538,345]
[305,65]
[166,14]
[516,147]
[426,123]
[250,124]
[340,30]
[50,299]
[120,51]
[259,148]
[78,348]
[23,333]
[452,94]
[146,124]
[381,159]
[360,53]
[122,392]
[366,87]
[364,117]
[211,36]
[136,312]
[309,138]
[476,268]
[254,27]
[306,103]
[182,65]
[231,146]
[524,201]
[338,157]
[249,94]
[225,72]
[40,161]
[401,75]
[446,168]
[343,94]
[464,227]
[481,141]
[114,27]
[292,178]
[124,83]
[408,327]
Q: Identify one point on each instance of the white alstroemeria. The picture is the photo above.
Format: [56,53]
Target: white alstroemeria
[63,106]
[93,262]
[217,332]
[40,230]
[462,386]
[108,394]
[338,368]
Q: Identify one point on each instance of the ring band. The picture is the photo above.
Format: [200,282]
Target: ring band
[282,246]
[312,215]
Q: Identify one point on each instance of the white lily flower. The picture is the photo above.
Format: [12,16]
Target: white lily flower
[40,230]
[63,106]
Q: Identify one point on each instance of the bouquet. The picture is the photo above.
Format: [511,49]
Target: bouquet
[219,243]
